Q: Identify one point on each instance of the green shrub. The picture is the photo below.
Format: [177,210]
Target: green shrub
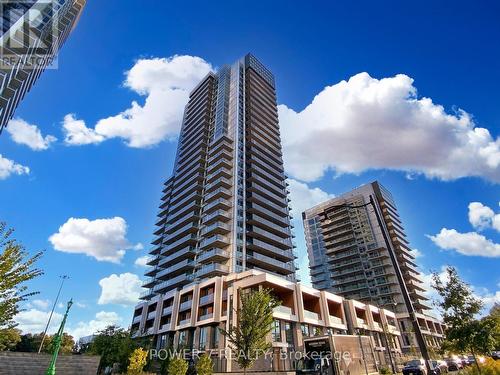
[177,366]
[138,360]
[204,366]
[384,371]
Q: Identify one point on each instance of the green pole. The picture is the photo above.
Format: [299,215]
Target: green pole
[57,340]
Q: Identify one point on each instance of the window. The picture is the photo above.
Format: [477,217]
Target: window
[276,331]
[305,330]
[203,335]
[183,338]
[289,333]
[215,337]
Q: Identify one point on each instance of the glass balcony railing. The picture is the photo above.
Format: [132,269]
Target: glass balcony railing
[219,214]
[335,320]
[213,253]
[206,316]
[209,298]
[283,310]
[361,321]
[211,268]
[217,239]
[311,315]
[214,227]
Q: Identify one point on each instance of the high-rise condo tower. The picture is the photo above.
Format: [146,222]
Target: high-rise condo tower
[31,34]
[225,207]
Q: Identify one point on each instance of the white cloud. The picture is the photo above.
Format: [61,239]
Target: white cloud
[366,123]
[41,303]
[303,197]
[76,132]
[482,217]
[142,261]
[123,289]
[165,83]
[138,246]
[101,321]
[9,167]
[34,321]
[470,244]
[103,239]
[417,253]
[26,134]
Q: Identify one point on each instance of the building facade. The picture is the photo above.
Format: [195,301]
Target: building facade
[31,34]
[348,256]
[191,317]
[225,208]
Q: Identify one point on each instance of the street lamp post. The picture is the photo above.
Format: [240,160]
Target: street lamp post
[404,290]
[63,278]
[57,342]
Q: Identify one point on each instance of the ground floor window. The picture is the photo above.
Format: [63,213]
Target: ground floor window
[276,331]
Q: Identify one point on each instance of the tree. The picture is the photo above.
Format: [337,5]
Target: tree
[459,308]
[114,345]
[9,338]
[177,366]
[137,361]
[67,344]
[204,366]
[248,338]
[16,268]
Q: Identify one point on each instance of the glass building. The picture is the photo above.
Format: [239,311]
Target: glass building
[225,207]
[31,34]
[348,255]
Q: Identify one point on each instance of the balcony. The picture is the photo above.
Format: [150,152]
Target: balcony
[218,203]
[283,310]
[147,294]
[282,220]
[209,298]
[283,243]
[270,263]
[219,163]
[217,193]
[167,310]
[188,228]
[311,315]
[221,172]
[217,227]
[206,316]
[186,252]
[335,320]
[264,247]
[181,266]
[212,270]
[221,215]
[185,305]
[213,254]
[360,322]
[220,182]
[278,230]
[217,241]
[151,315]
[184,321]
[171,283]
[136,319]
[148,283]
[190,239]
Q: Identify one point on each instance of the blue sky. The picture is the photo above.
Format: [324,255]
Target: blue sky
[434,160]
